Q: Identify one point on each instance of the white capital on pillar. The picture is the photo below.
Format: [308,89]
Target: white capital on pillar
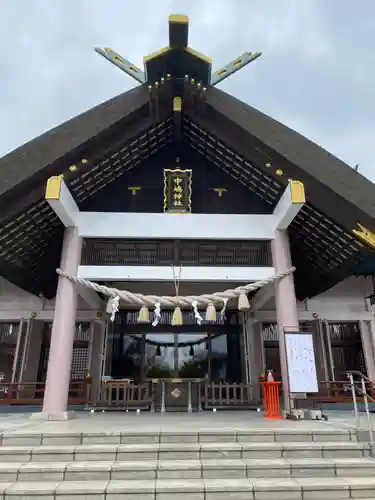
[62,203]
[289,204]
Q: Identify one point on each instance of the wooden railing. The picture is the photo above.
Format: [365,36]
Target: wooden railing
[124,394]
[33,393]
[337,391]
[128,395]
[333,391]
[226,395]
[363,384]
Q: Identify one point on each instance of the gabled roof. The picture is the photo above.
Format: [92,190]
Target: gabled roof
[261,153]
[245,128]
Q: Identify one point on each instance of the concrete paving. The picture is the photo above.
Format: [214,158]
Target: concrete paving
[112,422]
[12,421]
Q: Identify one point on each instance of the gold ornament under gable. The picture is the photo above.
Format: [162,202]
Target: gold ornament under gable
[365,235]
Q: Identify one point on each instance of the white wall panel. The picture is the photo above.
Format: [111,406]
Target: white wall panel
[164,273]
[177,226]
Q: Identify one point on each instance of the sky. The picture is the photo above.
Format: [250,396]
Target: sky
[316,74]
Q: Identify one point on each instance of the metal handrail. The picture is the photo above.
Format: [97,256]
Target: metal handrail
[361,375]
[360,393]
[353,387]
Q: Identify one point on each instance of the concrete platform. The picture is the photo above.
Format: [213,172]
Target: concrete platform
[111,422]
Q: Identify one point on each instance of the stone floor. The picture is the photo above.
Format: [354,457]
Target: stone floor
[85,422]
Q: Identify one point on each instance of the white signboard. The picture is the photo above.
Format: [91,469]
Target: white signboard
[301,363]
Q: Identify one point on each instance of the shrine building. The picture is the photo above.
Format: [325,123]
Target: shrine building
[178,189]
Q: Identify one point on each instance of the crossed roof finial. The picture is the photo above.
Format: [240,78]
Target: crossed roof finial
[178,59]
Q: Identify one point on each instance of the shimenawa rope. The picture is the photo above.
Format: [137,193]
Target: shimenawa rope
[171,302]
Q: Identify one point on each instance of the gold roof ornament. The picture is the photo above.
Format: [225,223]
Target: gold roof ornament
[365,235]
[220,191]
[134,189]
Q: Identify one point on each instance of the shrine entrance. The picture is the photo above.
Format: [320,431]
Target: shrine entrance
[169,368]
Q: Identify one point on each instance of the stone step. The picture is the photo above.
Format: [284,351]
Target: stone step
[22,438]
[186,469]
[182,451]
[196,489]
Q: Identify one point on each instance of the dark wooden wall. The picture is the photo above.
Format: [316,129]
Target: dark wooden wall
[149,177]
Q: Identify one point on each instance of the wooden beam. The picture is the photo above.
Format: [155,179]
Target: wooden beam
[178,31]
[126,66]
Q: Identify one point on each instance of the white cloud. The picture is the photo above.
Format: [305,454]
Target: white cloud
[316,74]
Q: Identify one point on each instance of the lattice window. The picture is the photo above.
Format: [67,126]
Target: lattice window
[8,333]
[168,252]
[80,356]
[270,335]
[347,349]
[8,342]
[79,362]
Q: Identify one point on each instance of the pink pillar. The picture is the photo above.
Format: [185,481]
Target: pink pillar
[63,331]
[286,303]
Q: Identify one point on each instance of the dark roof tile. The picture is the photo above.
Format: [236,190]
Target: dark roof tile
[30,159]
[303,153]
